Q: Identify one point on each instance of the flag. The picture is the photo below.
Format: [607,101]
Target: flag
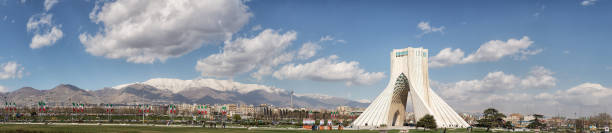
[109,108]
[172,108]
[310,113]
[41,106]
[224,112]
[10,106]
[199,109]
[82,107]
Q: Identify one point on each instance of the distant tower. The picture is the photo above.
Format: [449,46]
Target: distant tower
[291,101]
[409,81]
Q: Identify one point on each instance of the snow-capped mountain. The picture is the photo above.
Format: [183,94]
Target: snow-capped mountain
[164,91]
[227,91]
[315,96]
[178,85]
[364,101]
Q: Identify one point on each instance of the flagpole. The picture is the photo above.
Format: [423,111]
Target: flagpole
[143,116]
[39,110]
[143,113]
[108,112]
[5,113]
[5,108]
[70,100]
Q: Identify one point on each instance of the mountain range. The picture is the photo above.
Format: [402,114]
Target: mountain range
[176,91]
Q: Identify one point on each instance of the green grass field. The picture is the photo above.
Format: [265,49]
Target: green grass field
[459,130]
[162,129]
[149,129]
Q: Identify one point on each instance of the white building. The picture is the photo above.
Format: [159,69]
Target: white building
[409,81]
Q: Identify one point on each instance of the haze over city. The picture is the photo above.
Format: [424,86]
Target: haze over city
[526,56]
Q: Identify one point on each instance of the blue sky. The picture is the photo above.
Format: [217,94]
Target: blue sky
[569,40]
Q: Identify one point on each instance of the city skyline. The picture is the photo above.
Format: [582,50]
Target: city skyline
[522,56]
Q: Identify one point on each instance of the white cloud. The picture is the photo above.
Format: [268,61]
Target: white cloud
[3,89]
[264,51]
[566,52]
[447,57]
[326,38]
[512,94]
[256,28]
[587,94]
[329,69]
[426,28]
[45,32]
[496,49]
[329,38]
[11,70]
[472,92]
[524,53]
[585,98]
[48,4]
[489,51]
[262,54]
[47,39]
[588,2]
[144,31]
[39,21]
[539,77]
[308,50]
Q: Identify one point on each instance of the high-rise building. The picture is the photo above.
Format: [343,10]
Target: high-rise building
[409,81]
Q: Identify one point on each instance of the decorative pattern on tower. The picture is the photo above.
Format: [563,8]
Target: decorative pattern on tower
[409,80]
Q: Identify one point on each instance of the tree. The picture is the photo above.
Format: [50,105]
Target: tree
[491,118]
[508,125]
[427,122]
[601,119]
[580,122]
[535,123]
[236,117]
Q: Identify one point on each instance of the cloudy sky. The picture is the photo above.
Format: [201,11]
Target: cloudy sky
[527,56]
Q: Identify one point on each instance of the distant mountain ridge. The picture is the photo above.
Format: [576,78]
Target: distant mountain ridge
[177,85]
[166,91]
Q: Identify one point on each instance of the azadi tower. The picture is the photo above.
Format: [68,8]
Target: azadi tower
[409,82]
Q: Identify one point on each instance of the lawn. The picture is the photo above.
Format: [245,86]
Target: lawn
[148,129]
[459,130]
[159,129]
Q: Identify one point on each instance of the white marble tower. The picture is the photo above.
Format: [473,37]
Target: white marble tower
[409,82]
